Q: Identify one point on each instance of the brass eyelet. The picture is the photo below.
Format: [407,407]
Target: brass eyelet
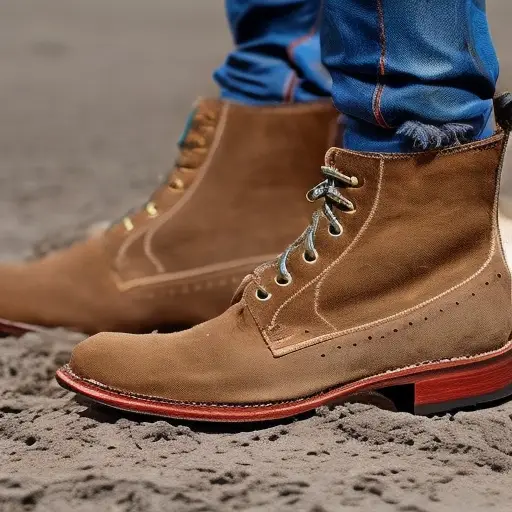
[283,282]
[262,295]
[357,181]
[128,224]
[177,184]
[354,208]
[151,209]
[308,259]
[335,233]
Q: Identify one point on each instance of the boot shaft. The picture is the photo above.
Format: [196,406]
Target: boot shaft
[233,206]
[424,227]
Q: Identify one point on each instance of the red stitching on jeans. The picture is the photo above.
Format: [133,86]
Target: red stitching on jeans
[299,40]
[289,87]
[377,97]
[293,80]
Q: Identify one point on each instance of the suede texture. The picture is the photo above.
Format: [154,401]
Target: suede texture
[433,286]
[422,222]
[233,199]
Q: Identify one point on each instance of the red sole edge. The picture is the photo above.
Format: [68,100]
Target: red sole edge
[17,329]
[438,387]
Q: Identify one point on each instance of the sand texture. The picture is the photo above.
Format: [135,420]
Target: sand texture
[92,94]
[58,454]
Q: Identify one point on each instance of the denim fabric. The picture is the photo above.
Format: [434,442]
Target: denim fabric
[277,53]
[394,61]
[430,62]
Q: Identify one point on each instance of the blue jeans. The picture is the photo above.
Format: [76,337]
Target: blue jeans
[277,53]
[405,73]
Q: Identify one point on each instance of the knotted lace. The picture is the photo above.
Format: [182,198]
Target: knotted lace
[328,190]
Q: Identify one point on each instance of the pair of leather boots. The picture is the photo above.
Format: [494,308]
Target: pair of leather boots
[398,286]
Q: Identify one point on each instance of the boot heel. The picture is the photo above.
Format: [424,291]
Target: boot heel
[464,386]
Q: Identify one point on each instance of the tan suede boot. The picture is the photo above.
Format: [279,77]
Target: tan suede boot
[399,283]
[232,201]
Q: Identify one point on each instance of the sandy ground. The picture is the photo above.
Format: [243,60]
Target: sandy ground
[92,95]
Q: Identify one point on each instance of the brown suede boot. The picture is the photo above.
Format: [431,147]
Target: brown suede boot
[232,201]
[399,283]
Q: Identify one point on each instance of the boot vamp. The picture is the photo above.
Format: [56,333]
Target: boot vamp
[227,360]
[224,360]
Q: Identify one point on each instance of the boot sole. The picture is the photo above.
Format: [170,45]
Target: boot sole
[17,329]
[424,389]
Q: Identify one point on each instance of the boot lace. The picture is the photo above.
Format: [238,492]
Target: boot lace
[328,190]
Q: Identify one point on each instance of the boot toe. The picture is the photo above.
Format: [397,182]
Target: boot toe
[106,358]
[129,363]
[187,366]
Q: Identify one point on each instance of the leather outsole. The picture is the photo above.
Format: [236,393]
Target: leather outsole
[17,329]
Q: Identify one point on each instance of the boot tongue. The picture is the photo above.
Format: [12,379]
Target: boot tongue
[198,133]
